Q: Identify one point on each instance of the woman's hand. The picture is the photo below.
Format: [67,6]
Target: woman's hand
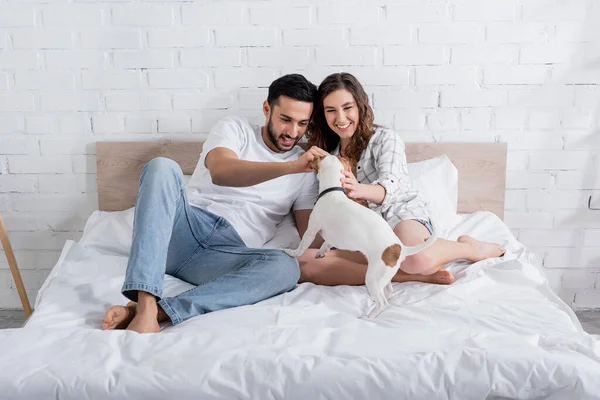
[354,190]
[361,192]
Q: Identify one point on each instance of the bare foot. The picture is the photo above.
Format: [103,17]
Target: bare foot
[483,250]
[441,277]
[145,321]
[118,317]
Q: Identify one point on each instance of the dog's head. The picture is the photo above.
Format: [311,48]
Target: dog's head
[315,164]
[327,162]
[335,164]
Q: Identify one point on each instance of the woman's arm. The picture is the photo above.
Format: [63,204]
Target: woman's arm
[392,169]
[374,193]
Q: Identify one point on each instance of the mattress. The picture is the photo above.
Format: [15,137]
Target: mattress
[498,331]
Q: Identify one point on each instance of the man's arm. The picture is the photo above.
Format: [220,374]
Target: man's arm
[226,169]
[302,217]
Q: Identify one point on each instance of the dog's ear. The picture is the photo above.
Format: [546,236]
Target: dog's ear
[315,163]
[346,163]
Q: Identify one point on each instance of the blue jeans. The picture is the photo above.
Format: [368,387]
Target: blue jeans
[170,236]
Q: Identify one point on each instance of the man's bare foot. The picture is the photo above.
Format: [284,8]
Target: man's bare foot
[144,323]
[146,316]
[482,250]
[118,317]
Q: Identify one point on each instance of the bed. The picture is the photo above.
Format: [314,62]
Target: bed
[497,332]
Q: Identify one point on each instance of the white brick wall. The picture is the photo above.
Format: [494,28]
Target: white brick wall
[523,72]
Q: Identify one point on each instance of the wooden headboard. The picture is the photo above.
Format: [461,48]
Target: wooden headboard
[481,170]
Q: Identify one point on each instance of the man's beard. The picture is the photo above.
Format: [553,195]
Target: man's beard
[273,137]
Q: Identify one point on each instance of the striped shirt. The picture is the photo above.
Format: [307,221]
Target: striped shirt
[383,162]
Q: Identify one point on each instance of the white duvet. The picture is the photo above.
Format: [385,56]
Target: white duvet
[498,332]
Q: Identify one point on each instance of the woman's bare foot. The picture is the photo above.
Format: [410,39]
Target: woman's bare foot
[482,250]
[441,277]
[119,317]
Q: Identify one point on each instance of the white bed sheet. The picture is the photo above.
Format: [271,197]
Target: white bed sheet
[498,332]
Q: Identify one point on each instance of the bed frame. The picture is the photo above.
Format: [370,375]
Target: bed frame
[481,170]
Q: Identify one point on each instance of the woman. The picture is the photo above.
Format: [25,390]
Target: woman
[343,125]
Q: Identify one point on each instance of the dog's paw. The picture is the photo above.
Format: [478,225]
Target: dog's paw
[374,313]
[382,302]
[319,255]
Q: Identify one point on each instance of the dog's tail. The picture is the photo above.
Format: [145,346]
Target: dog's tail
[409,251]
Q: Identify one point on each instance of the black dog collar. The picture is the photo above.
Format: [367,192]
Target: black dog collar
[331,189]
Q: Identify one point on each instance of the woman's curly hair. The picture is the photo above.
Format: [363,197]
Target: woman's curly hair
[321,135]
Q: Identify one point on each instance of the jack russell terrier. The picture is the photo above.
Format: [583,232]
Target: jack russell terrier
[347,225]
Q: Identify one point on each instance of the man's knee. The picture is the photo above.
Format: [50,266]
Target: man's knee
[162,164]
[162,167]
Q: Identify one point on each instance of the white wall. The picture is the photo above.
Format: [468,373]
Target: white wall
[522,71]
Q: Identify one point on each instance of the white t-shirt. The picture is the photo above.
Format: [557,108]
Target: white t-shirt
[254,211]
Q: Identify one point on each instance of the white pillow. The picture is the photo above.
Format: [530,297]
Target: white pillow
[437,180]
[286,235]
[109,232]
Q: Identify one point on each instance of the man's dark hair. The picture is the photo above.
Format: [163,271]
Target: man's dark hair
[294,86]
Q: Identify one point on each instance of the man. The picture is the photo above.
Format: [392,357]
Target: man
[247,179]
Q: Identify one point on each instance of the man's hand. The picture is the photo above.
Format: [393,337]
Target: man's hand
[303,163]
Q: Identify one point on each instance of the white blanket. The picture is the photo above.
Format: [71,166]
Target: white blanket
[498,332]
